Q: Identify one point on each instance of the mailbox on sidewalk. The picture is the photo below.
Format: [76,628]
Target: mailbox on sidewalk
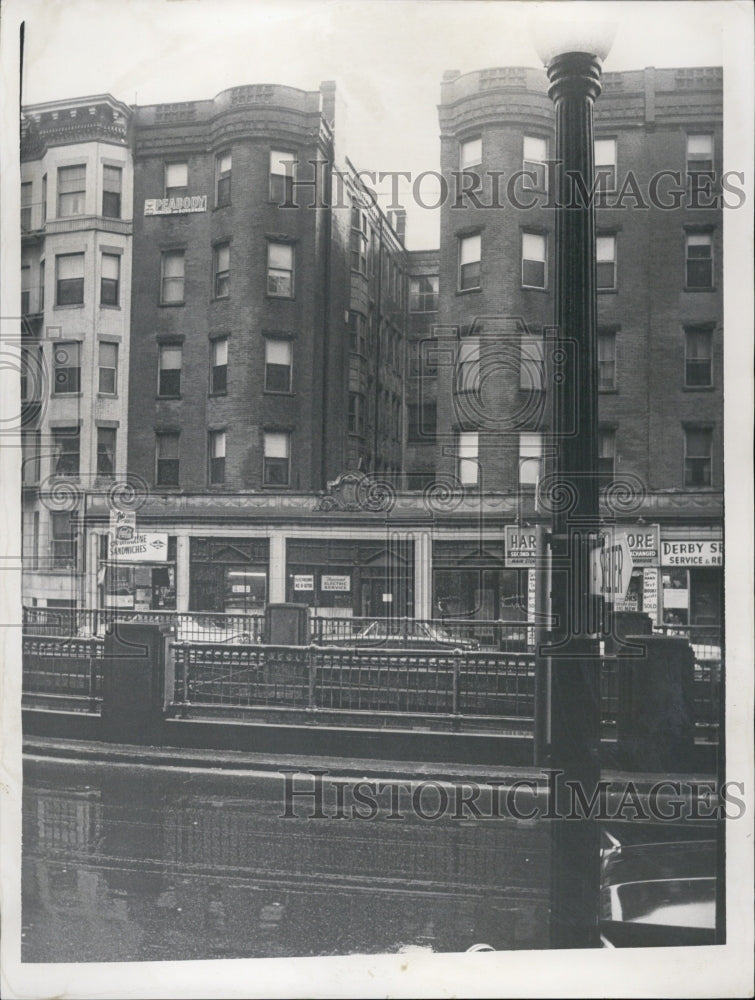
[656,724]
[287,625]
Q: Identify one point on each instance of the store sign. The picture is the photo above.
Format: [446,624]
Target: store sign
[341,583]
[304,581]
[144,547]
[692,553]
[644,543]
[650,593]
[611,566]
[122,525]
[521,547]
[175,206]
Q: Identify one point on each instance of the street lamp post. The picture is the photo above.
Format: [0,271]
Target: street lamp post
[573,60]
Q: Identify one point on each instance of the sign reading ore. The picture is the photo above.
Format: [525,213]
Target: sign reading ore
[175,206]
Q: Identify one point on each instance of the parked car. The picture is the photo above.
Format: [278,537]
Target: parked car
[658,885]
[405,634]
[190,629]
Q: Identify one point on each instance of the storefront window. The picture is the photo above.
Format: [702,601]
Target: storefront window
[228,575]
[473,582]
[140,586]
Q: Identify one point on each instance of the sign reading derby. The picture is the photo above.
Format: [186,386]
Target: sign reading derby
[145,546]
[690,553]
[175,206]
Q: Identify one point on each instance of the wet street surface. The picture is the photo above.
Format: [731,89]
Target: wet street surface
[144,863]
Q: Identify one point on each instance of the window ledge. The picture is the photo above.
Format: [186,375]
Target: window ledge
[212,395]
[168,398]
[698,388]
[535,288]
[690,288]
[171,305]
[280,298]
[70,305]
[105,305]
[608,392]
[107,395]
[607,291]
[67,395]
[468,291]
[278,392]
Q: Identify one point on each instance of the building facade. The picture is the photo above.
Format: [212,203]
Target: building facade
[76,231]
[318,415]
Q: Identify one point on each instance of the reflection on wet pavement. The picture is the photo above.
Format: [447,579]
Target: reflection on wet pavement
[124,863]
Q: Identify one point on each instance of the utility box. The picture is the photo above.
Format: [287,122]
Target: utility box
[656,723]
[132,682]
[287,625]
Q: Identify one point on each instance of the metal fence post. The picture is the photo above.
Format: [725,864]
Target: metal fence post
[92,677]
[455,682]
[311,668]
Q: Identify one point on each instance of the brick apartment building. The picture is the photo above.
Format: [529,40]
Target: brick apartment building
[280,352]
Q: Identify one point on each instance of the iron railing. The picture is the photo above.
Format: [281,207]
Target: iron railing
[194,626]
[333,678]
[60,666]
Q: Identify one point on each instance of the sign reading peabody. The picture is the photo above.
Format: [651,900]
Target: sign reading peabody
[175,206]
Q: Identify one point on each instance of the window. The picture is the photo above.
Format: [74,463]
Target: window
[223,179]
[67,359]
[112,180]
[276,460]
[278,365]
[468,366]
[358,240]
[699,153]
[44,199]
[62,539]
[423,293]
[217,458]
[41,285]
[282,177]
[32,446]
[107,383]
[169,376]
[176,180]
[69,279]
[606,455]
[66,445]
[356,413]
[697,456]
[280,270]
[222,270]
[110,279]
[530,458]
[606,360]
[422,422]
[219,365]
[471,154]
[533,260]
[532,363]
[26,206]
[166,451]
[172,277]
[71,190]
[106,452]
[606,261]
[534,156]
[357,332]
[468,466]
[698,357]
[605,164]
[699,260]
[470,253]
[25,289]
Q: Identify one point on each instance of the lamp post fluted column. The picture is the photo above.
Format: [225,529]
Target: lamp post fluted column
[575,665]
